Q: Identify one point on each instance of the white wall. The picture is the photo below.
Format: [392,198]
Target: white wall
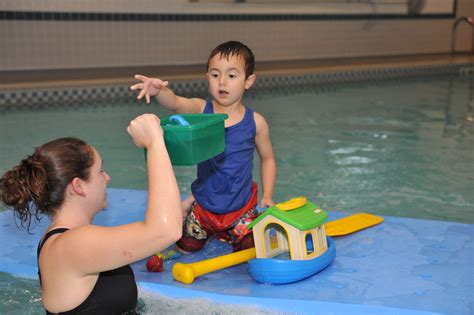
[36,45]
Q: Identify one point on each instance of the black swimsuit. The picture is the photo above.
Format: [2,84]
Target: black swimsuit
[115,291]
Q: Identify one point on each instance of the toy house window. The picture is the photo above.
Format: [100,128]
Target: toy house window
[273,237]
[276,240]
[309,243]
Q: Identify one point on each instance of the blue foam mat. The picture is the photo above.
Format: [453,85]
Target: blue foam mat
[402,266]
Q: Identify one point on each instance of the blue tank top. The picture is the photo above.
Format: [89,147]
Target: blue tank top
[224,183]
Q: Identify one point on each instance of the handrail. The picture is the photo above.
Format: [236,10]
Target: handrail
[453,32]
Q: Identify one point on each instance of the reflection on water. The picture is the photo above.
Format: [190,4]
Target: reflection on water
[399,148]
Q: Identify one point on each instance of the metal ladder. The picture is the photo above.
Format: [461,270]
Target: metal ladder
[453,32]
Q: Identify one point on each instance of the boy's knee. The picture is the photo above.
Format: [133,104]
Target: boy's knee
[245,243]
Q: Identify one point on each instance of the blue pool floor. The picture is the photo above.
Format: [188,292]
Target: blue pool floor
[402,266]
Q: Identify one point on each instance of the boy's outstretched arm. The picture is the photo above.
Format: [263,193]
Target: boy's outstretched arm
[267,161]
[165,96]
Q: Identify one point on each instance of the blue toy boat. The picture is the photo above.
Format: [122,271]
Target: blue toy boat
[280,271]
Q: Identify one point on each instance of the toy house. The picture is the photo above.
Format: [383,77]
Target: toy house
[295,226]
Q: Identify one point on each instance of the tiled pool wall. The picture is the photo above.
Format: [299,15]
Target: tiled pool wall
[78,95]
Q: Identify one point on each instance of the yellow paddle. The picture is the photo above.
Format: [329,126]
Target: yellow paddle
[351,224]
[186,273]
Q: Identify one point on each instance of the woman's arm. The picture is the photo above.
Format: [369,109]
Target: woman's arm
[91,249]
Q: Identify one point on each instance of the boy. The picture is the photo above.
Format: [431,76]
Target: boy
[224,196]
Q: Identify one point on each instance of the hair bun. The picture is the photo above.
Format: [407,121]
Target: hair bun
[24,183]
[34,176]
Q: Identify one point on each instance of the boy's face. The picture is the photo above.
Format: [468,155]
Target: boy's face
[226,78]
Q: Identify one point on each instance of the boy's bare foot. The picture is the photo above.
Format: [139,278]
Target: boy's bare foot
[186,204]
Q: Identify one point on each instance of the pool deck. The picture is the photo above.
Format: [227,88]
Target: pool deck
[18,80]
[401,266]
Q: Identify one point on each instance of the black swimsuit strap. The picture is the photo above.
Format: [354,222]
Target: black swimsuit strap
[41,243]
[48,235]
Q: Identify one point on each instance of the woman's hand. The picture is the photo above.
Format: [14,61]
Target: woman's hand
[145,130]
[149,87]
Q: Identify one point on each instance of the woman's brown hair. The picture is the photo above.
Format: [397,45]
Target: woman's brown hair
[38,184]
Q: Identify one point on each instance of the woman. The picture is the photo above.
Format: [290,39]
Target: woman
[85,267]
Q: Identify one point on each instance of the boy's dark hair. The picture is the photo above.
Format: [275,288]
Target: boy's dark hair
[234,48]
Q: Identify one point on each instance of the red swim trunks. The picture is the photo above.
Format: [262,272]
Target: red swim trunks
[201,224]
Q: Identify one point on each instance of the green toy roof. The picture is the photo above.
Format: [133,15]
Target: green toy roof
[303,218]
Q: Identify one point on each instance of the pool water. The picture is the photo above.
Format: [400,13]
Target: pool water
[401,148]
[23,296]
[19,296]
[397,148]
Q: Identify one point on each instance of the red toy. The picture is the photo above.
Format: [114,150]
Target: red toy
[155,264]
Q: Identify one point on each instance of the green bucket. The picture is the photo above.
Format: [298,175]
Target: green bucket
[201,140]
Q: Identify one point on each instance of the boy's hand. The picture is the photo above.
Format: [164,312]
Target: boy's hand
[149,87]
[266,202]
